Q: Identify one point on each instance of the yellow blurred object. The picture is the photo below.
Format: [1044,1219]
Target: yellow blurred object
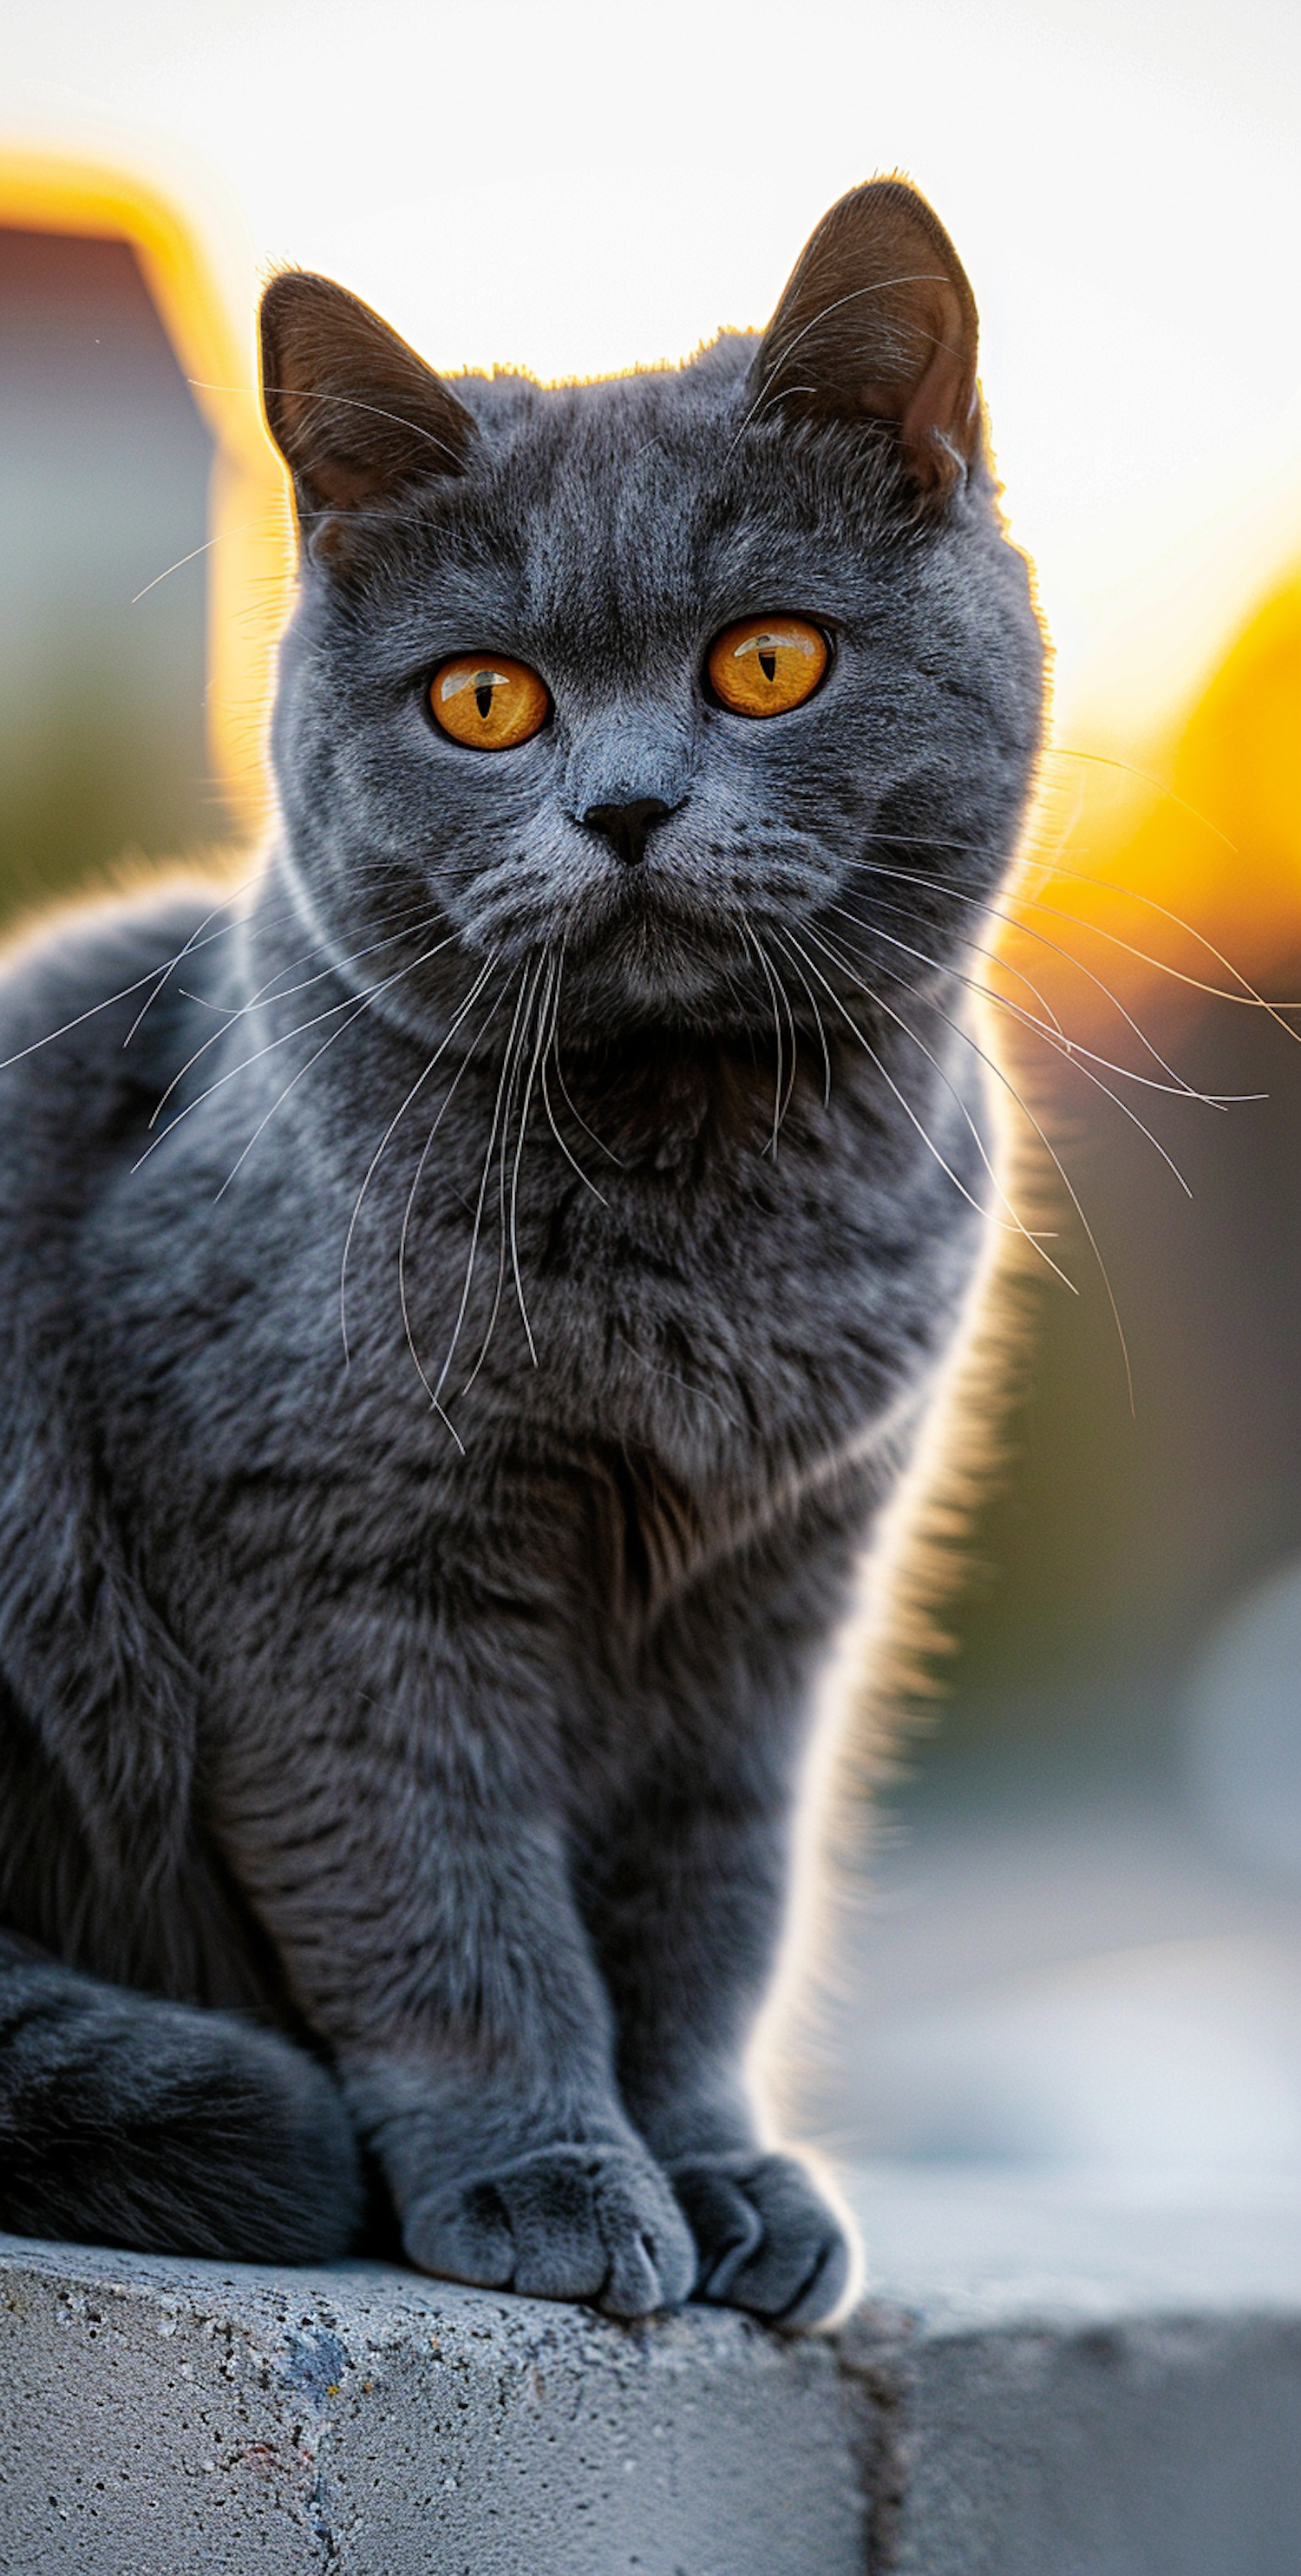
[1197,852]
[250,559]
[1240,764]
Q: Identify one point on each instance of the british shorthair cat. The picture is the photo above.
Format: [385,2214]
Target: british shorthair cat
[469,1298]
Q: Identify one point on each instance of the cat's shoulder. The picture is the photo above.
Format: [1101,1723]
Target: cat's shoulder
[77,979]
[89,1000]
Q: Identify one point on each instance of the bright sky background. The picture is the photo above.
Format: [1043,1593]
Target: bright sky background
[574,185]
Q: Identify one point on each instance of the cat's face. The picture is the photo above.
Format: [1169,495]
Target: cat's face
[648,815]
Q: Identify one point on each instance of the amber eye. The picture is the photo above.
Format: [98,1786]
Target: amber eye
[767,664]
[488,701]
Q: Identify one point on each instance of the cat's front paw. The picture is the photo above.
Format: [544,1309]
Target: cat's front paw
[765,2237]
[565,2222]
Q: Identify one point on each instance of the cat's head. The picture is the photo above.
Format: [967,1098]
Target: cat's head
[646,669]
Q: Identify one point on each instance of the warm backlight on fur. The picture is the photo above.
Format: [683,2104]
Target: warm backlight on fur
[767,665]
[488,701]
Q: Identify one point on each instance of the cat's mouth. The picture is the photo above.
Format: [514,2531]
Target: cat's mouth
[653,950]
[664,899]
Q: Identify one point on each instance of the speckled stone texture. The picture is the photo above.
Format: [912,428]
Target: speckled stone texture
[1048,2381]
[158,2417]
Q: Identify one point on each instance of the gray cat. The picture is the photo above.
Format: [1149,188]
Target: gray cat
[467,1300]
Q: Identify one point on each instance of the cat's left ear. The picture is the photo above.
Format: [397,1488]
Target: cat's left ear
[878,322]
[354,412]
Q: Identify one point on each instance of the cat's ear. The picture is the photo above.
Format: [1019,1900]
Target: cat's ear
[878,321]
[354,412]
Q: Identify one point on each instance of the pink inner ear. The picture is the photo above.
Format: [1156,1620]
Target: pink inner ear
[878,318]
[941,413]
[354,411]
[937,411]
[343,487]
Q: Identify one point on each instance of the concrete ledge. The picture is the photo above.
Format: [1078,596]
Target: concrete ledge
[1047,2383]
[1069,2381]
[158,2417]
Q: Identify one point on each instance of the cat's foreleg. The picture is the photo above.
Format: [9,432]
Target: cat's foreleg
[687,1946]
[412,1871]
[688,1902]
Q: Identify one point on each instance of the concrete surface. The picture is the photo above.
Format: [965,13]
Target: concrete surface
[1074,2379]
[1049,2380]
[160,2417]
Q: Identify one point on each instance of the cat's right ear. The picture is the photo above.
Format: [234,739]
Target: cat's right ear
[878,322]
[355,413]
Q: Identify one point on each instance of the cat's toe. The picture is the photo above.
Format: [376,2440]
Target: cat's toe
[767,2240]
[565,2222]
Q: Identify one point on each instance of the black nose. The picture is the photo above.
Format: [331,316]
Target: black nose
[627,826]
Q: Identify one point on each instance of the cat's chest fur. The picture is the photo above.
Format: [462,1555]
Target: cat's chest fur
[761,1280]
[651,1363]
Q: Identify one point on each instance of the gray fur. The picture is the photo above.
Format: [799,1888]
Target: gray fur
[457,1743]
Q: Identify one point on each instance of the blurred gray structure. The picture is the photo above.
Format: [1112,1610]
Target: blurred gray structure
[104,472]
[1244,1725]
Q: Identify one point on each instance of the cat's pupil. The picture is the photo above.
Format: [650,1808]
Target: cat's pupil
[767,663]
[483,695]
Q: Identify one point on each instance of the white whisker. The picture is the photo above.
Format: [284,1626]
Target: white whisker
[156,976]
[503,1235]
[1073,1195]
[822,1034]
[928,1141]
[771,1146]
[407,1212]
[435,1392]
[519,1149]
[1049,1040]
[195,940]
[989,908]
[1017,1224]
[1051,1028]
[553,1046]
[245,1009]
[286,1036]
[576,1114]
[391,1130]
[1247,999]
